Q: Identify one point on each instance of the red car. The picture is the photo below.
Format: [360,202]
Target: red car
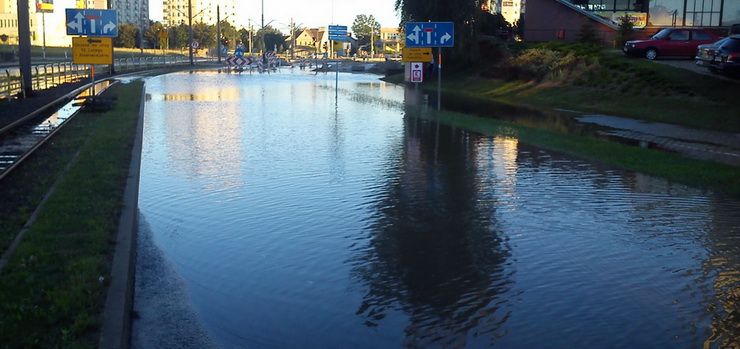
[670,42]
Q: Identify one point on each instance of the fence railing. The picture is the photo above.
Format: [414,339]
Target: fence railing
[50,75]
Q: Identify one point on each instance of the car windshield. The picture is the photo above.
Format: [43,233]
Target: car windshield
[662,35]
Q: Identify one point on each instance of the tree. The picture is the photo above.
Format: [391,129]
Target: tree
[204,34]
[625,30]
[587,34]
[229,31]
[151,35]
[273,38]
[127,34]
[366,28]
[178,36]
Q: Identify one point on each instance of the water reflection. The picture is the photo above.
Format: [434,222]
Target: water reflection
[301,220]
[436,251]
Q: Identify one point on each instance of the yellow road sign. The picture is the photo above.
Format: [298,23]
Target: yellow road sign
[417,54]
[91,50]
[163,34]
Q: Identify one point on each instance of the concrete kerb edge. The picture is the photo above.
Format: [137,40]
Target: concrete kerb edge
[116,329]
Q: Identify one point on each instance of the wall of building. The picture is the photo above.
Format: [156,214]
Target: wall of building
[550,20]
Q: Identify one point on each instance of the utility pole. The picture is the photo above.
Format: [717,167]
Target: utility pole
[262,31]
[218,33]
[292,39]
[24,46]
[190,30]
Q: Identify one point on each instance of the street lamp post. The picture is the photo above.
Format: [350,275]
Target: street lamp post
[190,30]
[218,33]
[262,32]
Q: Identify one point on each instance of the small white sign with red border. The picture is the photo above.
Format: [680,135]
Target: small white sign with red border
[417,72]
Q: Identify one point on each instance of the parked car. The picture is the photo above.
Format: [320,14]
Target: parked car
[727,56]
[734,29]
[705,52]
[670,42]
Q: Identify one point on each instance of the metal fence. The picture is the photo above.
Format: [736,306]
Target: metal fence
[50,75]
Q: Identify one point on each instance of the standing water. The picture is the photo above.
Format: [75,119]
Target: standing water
[300,216]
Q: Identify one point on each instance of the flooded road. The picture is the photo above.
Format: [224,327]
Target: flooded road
[300,215]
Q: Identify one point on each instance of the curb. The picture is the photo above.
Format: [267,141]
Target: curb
[116,329]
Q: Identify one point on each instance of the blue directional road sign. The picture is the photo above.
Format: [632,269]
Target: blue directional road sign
[239,52]
[338,33]
[92,22]
[430,34]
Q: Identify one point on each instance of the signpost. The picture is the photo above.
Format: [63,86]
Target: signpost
[92,22]
[101,26]
[338,33]
[92,50]
[417,72]
[431,34]
[417,54]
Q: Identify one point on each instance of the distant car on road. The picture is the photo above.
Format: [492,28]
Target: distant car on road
[705,53]
[670,42]
[727,56]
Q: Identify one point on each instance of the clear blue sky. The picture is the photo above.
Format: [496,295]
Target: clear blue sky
[317,13]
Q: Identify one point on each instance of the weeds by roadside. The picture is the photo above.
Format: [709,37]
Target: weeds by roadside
[587,78]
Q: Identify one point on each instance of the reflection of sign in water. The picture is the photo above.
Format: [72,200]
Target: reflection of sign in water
[45,6]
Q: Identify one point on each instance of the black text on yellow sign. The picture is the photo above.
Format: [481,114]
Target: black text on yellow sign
[417,54]
[92,50]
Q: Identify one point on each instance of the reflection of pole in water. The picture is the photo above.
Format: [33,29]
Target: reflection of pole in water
[424,258]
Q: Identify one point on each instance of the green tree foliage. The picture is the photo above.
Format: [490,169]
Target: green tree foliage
[178,36]
[204,34]
[625,30]
[365,29]
[127,36]
[587,34]
[151,35]
[230,32]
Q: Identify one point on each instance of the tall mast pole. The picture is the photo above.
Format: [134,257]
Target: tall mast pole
[190,30]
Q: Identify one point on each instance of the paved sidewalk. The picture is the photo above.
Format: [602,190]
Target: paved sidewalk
[700,144]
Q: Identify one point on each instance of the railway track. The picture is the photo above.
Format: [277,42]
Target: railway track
[21,138]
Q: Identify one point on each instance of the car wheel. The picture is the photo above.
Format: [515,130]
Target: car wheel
[651,54]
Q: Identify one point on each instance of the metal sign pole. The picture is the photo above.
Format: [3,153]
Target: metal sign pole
[439,78]
[92,75]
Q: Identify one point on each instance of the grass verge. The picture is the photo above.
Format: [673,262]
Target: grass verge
[717,177]
[52,288]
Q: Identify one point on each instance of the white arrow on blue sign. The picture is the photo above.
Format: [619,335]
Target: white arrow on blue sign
[430,34]
[92,22]
[338,33]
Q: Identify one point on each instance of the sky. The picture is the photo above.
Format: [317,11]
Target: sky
[311,14]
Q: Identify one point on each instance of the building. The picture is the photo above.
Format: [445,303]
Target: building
[175,12]
[511,10]
[134,12]
[391,39]
[48,18]
[561,20]
[312,40]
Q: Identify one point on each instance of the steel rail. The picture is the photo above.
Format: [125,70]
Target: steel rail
[22,121]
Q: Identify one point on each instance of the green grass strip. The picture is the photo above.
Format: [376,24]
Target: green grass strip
[52,289]
[711,175]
